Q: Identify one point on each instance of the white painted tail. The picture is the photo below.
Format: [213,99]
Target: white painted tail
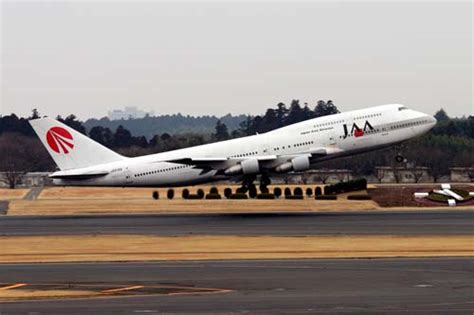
[71,149]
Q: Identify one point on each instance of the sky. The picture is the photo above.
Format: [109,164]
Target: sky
[234,57]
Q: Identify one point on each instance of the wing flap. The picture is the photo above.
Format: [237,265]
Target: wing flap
[218,163]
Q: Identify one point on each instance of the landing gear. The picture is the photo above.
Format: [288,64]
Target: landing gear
[248,185]
[399,157]
[264,182]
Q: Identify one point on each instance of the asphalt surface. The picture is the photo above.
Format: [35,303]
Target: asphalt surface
[379,286]
[447,222]
[33,193]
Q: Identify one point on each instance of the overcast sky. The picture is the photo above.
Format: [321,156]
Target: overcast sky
[216,58]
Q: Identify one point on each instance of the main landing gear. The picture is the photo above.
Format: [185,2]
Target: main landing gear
[264,182]
[249,186]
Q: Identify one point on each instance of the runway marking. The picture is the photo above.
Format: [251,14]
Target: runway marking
[135,287]
[13,286]
[423,285]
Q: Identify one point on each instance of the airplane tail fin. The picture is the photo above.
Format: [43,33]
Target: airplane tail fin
[71,149]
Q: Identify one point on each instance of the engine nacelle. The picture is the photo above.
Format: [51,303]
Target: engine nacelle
[299,163]
[246,167]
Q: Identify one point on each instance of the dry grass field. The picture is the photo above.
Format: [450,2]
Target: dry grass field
[91,206]
[135,193]
[90,200]
[9,295]
[139,248]
[12,194]
[99,200]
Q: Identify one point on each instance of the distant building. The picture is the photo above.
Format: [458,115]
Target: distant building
[328,176]
[128,112]
[402,174]
[32,179]
[462,174]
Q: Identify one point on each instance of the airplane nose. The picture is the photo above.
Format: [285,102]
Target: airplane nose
[432,120]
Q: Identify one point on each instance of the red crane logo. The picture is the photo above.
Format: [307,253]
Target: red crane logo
[59,140]
[358,132]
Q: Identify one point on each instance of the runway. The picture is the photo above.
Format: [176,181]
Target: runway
[446,222]
[287,286]
[323,286]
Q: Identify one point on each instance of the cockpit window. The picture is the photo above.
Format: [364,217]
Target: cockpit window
[402,108]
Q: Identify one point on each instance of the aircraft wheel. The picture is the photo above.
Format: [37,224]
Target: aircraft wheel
[265,180]
[241,190]
[252,191]
[399,158]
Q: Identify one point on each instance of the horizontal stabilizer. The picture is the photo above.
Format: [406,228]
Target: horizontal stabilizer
[77,174]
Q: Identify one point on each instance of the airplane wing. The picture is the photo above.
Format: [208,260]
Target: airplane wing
[221,163]
[323,151]
[235,164]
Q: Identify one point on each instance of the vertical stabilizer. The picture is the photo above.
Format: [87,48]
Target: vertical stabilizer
[71,149]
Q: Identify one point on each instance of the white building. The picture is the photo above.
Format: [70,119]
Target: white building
[462,174]
[128,112]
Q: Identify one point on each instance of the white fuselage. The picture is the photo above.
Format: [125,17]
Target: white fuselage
[323,138]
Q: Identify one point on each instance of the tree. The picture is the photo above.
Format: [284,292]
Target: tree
[321,177]
[72,122]
[471,126]
[380,174]
[323,109]
[295,114]
[270,120]
[34,114]
[470,173]
[304,177]
[122,137]
[417,174]
[222,133]
[441,115]
[396,173]
[13,124]
[437,163]
[102,135]
[281,113]
[165,137]
[247,127]
[24,154]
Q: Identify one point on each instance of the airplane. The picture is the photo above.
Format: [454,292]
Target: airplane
[297,147]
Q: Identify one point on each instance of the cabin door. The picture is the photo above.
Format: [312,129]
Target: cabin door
[332,138]
[128,176]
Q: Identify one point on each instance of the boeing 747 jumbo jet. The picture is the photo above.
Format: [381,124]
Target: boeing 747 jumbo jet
[298,147]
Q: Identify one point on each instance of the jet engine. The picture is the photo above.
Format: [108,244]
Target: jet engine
[299,163]
[246,167]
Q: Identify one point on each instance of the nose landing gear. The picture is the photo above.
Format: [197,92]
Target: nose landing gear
[248,185]
[399,157]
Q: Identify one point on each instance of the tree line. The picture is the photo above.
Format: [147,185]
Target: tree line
[150,126]
[449,143]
